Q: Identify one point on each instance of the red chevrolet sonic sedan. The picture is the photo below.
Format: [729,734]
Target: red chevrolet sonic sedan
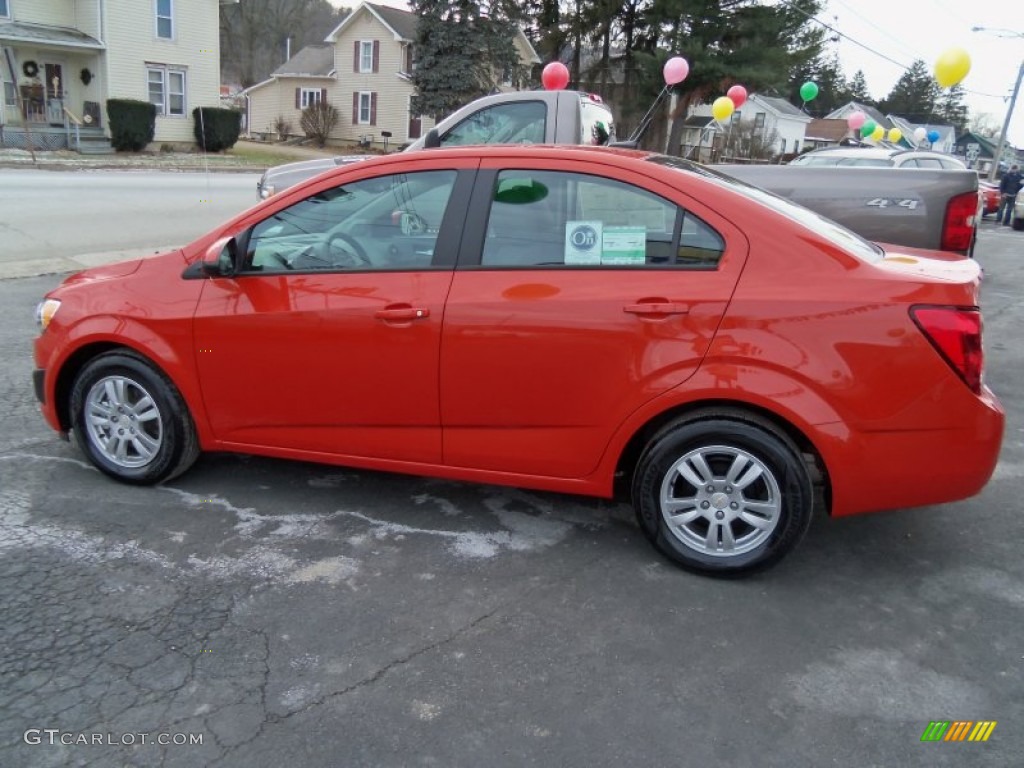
[589,321]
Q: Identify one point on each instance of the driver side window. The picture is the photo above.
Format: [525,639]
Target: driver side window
[387,222]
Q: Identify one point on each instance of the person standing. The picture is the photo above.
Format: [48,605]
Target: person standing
[1008,189]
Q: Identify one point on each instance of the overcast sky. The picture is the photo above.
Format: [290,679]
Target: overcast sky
[900,31]
[905,30]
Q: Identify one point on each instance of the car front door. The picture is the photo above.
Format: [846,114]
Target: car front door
[580,298]
[327,339]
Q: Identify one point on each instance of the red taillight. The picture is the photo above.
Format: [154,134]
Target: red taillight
[958,226]
[956,334]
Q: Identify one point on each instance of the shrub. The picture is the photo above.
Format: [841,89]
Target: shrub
[216,128]
[282,127]
[132,123]
[318,120]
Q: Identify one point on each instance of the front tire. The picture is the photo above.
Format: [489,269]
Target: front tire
[131,421]
[723,495]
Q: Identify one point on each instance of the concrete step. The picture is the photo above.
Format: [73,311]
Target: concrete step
[95,146]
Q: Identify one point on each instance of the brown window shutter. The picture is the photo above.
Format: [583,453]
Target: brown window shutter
[298,98]
[373,108]
[376,56]
[323,95]
[355,58]
[355,107]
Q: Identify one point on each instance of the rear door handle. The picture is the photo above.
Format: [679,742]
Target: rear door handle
[657,308]
[402,314]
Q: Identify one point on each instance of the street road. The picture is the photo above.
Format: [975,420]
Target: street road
[302,615]
[47,217]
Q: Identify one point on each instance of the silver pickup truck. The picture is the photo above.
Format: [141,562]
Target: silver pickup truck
[934,209]
[519,117]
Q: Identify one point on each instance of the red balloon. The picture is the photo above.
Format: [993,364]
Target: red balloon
[738,94]
[555,76]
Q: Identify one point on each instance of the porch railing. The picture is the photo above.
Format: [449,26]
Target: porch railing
[71,119]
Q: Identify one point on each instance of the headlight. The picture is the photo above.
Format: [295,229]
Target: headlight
[266,191]
[45,312]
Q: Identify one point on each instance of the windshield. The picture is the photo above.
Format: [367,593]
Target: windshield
[834,233]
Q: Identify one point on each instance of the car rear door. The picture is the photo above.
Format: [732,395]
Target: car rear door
[582,292]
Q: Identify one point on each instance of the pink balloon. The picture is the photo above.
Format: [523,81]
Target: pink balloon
[555,76]
[738,94]
[856,120]
[676,69]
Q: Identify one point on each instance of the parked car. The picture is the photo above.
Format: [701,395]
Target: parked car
[1018,212]
[880,157]
[569,319]
[989,197]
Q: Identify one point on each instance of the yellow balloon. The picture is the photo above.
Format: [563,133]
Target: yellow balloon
[879,133]
[895,134]
[952,67]
[722,108]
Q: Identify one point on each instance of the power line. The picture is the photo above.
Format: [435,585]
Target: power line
[869,49]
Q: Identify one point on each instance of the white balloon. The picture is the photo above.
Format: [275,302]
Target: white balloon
[920,134]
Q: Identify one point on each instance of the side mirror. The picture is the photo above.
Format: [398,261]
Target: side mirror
[221,258]
[432,140]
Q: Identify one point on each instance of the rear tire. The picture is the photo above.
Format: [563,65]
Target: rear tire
[130,420]
[723,493]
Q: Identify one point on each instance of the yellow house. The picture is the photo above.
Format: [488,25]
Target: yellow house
[61,60]
[364,69]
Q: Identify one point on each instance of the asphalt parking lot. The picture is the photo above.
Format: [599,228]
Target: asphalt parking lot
[291,614]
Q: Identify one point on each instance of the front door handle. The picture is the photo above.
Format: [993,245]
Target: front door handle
[402,314]
[658,308]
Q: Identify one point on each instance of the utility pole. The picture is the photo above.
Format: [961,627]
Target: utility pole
[1006,125]
[1000,32]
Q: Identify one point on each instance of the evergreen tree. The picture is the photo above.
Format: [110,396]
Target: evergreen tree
[857,90]
[914,96]
[952,110]
[731,41]
[827,74]
[464,51]
[254,34]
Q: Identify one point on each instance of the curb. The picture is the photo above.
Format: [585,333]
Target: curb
[56,165]
[12,270]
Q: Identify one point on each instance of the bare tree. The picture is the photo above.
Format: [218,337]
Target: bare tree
[255,35]
[743,141]
[984,124]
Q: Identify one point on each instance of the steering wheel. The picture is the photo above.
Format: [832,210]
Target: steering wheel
[341,244]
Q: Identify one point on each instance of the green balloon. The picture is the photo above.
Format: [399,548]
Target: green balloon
[808,91]
[868,128]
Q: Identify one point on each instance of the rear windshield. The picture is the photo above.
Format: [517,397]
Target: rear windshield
[597,122]
[863,162]
[826,228]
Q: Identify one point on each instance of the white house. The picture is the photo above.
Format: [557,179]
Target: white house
[772,119]
[364,68]
[63,59]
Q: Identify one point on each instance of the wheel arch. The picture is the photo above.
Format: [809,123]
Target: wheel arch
[73,364]
[719,408]
[69,370]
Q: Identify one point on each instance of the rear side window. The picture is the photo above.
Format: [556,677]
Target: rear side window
[549,218]
[520,122]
